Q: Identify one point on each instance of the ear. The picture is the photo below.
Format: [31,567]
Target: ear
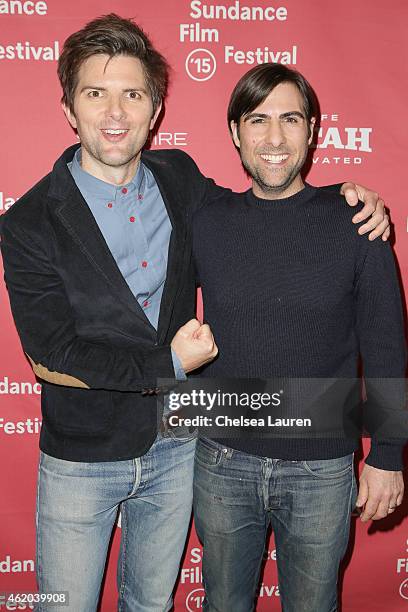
[235,134]
[70,116]
[156,114]
[312,126]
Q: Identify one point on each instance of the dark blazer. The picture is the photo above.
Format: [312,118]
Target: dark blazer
[81,327]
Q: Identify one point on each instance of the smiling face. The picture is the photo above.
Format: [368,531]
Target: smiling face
[113,114]
[273,140]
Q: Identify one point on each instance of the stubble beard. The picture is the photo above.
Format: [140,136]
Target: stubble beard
[260,177]
[113,161]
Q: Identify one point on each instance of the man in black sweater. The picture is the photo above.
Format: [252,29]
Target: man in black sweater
[290,291]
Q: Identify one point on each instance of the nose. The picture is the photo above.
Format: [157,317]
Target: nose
[275,134]
[115,108]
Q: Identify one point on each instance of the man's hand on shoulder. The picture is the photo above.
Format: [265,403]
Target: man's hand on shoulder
[194,345]
[378,223]
[380,492]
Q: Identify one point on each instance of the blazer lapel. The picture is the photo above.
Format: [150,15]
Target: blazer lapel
[79,221]
[172,193]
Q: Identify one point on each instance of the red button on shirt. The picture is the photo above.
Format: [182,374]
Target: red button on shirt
[146,303]
[140,197]
[124,190]
[144,264]
[110,205]
[132,219]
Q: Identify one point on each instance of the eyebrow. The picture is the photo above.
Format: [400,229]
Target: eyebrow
[265,116]
[291,114]
[142,89]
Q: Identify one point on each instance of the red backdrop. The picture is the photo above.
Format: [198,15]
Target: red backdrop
[354,54]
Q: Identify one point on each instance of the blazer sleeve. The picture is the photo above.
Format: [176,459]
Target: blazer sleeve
[46,326]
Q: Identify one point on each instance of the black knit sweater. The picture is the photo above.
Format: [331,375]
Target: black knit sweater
[291,290]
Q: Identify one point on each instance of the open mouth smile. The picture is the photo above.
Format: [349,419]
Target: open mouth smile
[114,135]
[274,159]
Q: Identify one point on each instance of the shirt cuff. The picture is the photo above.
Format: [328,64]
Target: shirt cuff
[178,368]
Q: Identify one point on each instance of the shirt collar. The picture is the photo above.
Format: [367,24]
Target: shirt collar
[98,188]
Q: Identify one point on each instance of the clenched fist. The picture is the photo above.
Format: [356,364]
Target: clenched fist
[194,345]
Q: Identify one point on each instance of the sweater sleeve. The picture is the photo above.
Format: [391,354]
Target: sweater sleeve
[333,188]
[204,189]
[380,330]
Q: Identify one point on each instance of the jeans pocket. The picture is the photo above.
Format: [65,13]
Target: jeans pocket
[182,433]
[207,454]
[329,468]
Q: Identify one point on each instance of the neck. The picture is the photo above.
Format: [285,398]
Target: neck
[277,193]
[110,174]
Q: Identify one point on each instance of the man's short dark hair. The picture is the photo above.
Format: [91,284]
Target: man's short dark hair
[111,35]
[256,85]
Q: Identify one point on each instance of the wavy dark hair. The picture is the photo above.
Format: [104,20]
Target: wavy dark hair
[111,35]
[256,85]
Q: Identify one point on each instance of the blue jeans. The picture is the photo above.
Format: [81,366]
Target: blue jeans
[307,503]
[77,508]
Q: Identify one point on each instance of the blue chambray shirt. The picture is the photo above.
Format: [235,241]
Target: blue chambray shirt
[134,222]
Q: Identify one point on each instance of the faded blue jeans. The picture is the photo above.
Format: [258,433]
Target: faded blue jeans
[77,508]
[307,503]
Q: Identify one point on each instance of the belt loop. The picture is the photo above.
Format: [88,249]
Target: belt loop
[229,453]
[164,425]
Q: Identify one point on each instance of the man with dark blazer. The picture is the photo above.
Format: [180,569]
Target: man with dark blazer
[98,266]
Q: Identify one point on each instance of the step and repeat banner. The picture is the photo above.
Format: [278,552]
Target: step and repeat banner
[354,54]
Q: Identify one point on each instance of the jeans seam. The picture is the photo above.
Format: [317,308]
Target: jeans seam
[216,453]
[257,574]
[124,526]
[137,463]
[38,553]
[349,506]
